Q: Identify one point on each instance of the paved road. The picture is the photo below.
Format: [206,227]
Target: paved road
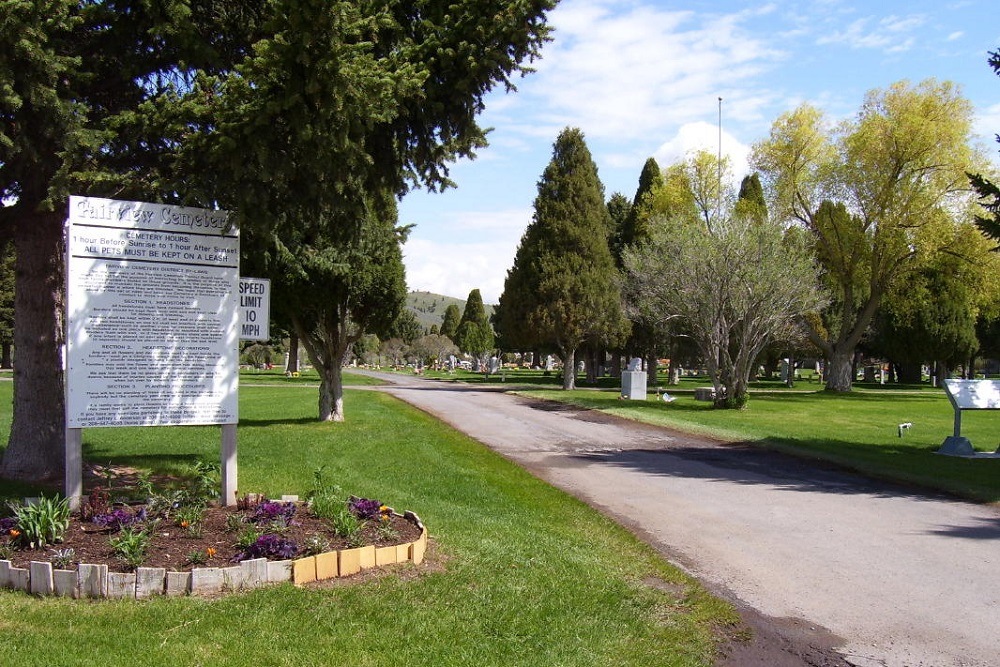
[900,578]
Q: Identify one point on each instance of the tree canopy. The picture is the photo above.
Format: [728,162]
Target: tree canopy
[289,113]
[879,193]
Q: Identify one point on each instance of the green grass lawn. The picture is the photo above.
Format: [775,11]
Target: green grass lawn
[858,430]
[518,574]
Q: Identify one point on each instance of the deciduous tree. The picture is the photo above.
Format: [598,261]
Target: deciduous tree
[879,194]
[732,288]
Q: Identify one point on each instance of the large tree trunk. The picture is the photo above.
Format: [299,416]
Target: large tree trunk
[909,372]
[839,367]
[651,364]
[331,394]
[6,359]
[36,450]
[569,369]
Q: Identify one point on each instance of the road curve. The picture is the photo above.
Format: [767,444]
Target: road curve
[901,578]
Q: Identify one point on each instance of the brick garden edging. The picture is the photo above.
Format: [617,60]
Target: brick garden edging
[95,581]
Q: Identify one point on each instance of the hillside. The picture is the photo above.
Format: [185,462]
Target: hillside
[429,307]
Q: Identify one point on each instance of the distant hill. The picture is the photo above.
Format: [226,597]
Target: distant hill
[429,307]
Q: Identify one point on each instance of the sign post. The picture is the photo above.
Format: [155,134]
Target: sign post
[969,395]
[152,321]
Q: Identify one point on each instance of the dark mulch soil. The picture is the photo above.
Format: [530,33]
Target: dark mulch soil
[172,545]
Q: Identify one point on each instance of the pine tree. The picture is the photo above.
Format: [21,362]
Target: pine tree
[637,227]
[450,320]
[562,289]
[475,335]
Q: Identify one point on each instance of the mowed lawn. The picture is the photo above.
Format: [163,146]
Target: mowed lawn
[859,430]
[518,573]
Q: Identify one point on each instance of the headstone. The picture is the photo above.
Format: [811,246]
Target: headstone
[704,393]
[634,385]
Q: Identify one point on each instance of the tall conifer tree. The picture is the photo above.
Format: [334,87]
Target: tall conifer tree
[562,289]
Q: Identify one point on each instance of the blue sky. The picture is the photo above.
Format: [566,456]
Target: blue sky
[642,78]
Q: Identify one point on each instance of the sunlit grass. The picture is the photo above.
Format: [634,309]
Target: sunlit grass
[519,573]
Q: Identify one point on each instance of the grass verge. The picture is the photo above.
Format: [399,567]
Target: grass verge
[519,574]
[859,430]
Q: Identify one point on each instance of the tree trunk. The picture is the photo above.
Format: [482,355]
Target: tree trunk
[331,393]
[651,362]
[838,371]
[616,365]
[36,449]
[6,359]
[569,369]
[909,372]
[293,353]
[592,366]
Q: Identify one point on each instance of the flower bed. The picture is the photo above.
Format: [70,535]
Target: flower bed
[190,546]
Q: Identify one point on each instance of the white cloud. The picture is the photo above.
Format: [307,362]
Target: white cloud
[468,251]
[703,136]
[891,34]
[626,71]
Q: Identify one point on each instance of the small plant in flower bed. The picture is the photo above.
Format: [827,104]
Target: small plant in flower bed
[119,518]
[268,545]
[42,522]
[277,515]
[366,509]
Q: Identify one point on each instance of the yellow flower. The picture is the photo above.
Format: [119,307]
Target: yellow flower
[210,551]
[14,532]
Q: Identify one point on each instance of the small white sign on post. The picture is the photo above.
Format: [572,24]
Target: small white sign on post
[969,395]
[255,308]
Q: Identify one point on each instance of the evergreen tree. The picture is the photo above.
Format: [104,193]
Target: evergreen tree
[637,225]
[988,191]
[619,209]
[562,290]
[450,321]
[288,113]
[475,335]
[333,293]
[6,303]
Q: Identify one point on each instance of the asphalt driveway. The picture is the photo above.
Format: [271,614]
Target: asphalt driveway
[887,575]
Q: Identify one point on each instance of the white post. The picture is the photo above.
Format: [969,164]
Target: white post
[229,475]
[74,467]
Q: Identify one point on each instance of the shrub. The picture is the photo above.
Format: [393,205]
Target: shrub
[43,522]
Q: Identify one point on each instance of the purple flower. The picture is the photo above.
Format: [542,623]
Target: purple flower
[6,523]
[365,508]
[268,544]
[119,518]
[269,511]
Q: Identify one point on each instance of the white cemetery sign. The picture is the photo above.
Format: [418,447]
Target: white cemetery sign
[152,317]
